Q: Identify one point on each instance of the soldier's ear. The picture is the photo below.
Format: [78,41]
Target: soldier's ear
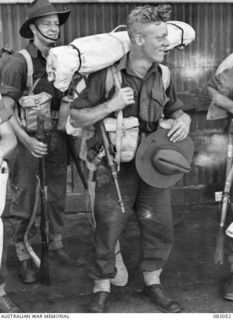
[33,28]
[139,39]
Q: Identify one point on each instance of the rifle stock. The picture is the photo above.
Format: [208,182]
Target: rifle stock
[71,148]
[28,246]
[111,164]
[44,224]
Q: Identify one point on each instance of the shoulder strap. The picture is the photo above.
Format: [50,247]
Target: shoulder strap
[166,76]
[28,59]
[114,77]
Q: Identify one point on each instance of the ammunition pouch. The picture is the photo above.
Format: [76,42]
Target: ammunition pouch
[32,105]
[129,135]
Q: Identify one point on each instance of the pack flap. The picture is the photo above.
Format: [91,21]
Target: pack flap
[110,124]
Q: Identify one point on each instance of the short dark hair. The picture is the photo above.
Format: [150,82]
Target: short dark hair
[144,15]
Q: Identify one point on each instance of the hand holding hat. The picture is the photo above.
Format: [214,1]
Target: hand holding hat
[160,162]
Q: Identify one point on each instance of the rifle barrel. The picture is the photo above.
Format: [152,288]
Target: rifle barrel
[44,224]
[111,165]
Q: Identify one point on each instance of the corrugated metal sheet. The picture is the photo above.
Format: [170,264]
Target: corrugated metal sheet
[192,67]
[213,24]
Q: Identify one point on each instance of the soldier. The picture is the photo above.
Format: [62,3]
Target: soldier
[142,95]
[7,144]
[42,27]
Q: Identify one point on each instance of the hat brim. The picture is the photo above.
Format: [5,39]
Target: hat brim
[25,30]
[144,165]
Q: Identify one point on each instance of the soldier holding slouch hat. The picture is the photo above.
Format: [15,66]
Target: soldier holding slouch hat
[164,154]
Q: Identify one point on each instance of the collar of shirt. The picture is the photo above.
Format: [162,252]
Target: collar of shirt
[32,49]
[123,65]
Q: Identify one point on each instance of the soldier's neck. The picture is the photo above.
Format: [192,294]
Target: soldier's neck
[138,64]
[43,47]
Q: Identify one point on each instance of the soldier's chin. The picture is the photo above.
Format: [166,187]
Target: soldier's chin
[160,58]
[51,41]
[52,38]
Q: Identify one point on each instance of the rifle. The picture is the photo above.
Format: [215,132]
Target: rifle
[218,255]
[111,164]
[71,148]
[44,222]
[3,186]
[27,244]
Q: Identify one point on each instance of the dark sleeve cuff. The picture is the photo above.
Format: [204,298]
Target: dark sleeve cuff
[177,105]
[10,92]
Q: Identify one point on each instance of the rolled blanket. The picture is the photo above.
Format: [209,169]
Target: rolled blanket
[180,34]
[96,52]
[88,54]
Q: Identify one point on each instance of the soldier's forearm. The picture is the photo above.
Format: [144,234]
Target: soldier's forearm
[20,133]
[85,117]
[8,140]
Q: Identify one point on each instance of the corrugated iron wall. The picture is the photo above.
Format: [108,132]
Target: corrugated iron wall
[192,67]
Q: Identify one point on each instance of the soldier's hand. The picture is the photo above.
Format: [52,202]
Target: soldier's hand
[122,98]
[37,148]
[180,128]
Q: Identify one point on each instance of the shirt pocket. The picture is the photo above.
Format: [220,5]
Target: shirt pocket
[159,98]
[157,103]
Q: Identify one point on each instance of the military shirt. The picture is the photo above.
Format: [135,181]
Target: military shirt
[14,76]
[151,100]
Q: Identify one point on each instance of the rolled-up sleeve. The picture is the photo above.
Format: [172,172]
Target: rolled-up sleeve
[14,76]
[222,82]
[93,94]
[174,102]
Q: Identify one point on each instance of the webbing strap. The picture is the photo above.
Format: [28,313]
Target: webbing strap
[117,80]
[166,76]
[28,59]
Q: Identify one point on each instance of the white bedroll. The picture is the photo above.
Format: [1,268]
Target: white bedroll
[3,184]
[92,53]
[96,52]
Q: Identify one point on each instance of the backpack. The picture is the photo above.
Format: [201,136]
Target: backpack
[113,77]
[6,55]
[31,104]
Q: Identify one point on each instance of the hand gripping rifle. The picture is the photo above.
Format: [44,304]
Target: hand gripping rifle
[44,222]
[111,164]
